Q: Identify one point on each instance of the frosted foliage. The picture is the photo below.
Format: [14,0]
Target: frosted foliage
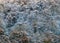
[37,20]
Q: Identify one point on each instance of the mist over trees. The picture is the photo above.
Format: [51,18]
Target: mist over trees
[29,21]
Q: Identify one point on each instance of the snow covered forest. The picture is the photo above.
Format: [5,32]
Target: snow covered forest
[29,21]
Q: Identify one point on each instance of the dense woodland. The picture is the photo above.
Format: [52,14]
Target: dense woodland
[29,21]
